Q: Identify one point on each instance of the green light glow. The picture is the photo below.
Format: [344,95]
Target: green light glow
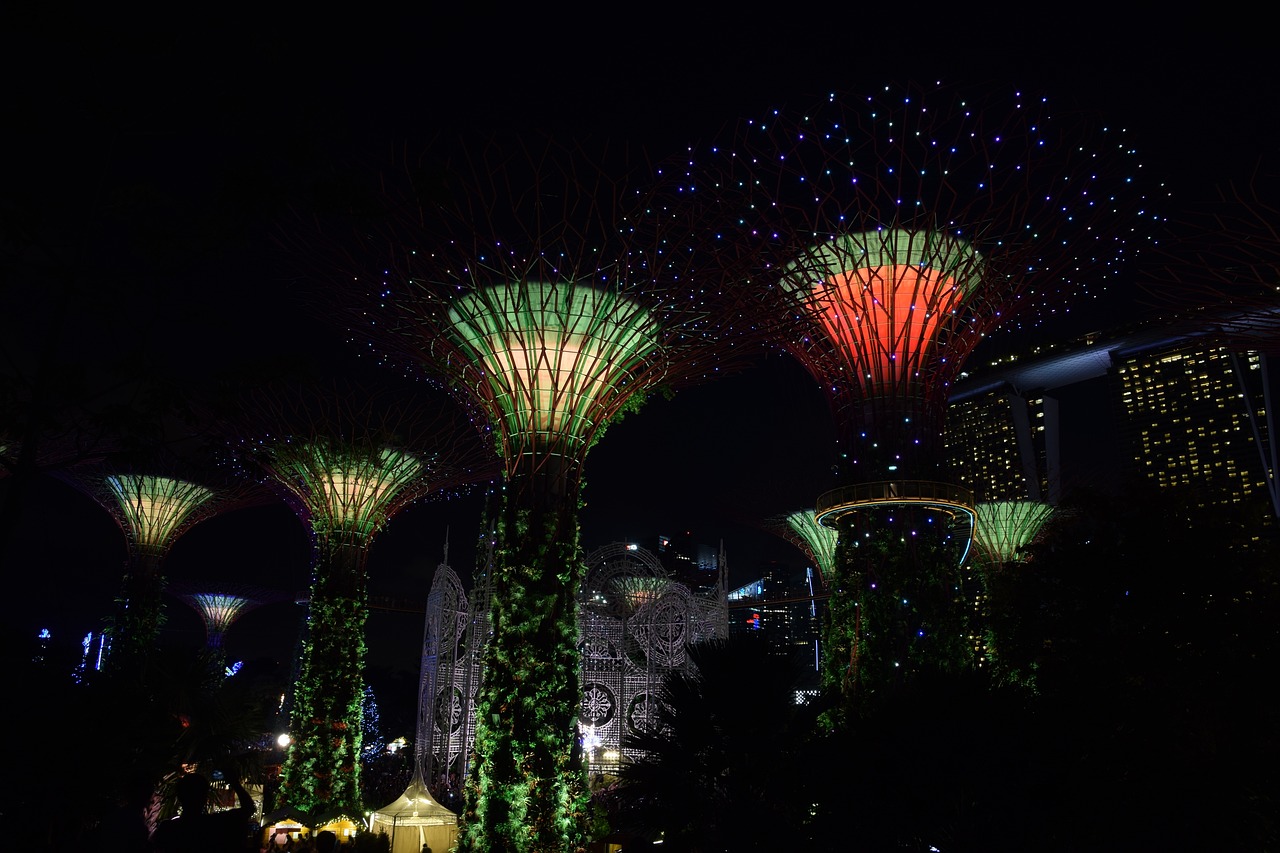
[153,509]
[346,490]
[821,540]
[559,357]
[218,610]
[1004,528]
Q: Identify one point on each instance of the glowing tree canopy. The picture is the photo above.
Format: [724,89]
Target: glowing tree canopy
[154,510]
[888,299]
[349,492]
[818,542]
[347,460]
[1004,528]
[220,605]
[889,234]
[154,506]
[560,359]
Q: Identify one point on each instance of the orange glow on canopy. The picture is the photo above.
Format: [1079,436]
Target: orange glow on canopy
[890,302]
[884,318]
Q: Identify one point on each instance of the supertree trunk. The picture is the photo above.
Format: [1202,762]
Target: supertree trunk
[894,601]
[528,793]
[322,771]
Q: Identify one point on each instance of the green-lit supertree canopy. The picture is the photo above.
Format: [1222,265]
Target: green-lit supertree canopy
[1004,528]
[560,360]
[154,508]
[802,529]
[347,460]
[219,605]
[888,234]
[530,296]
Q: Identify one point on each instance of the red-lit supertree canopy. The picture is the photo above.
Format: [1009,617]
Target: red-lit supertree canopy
[154,501]
[347,460]
[531,297]
[888,235]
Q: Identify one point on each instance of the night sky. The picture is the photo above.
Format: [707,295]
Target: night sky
[157,157]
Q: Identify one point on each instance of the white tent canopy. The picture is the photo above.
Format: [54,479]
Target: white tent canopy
[415,819]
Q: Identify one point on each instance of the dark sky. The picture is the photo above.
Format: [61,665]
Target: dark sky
[152,156]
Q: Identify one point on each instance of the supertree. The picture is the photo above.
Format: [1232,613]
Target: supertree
[154,501]
[888,235]
[530,298]
[347,460]
[219,605]
[1002,530]
[817,541]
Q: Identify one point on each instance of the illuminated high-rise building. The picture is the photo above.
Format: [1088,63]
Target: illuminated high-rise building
[1196,415]
[1003,445]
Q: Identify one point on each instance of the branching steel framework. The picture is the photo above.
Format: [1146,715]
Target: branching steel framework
[219,605]
[347,461]
[535,301]
[1004,528]
[154,507]
[816,540]
[888,235]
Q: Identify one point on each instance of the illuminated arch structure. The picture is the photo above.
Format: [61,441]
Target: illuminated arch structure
[347,461]
[153,509]
[636,625]
[542,313]
[890,234]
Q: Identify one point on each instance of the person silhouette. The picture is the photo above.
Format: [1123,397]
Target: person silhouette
[195,830]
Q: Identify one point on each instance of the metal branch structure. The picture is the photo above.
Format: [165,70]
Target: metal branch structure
[818,541]
[347,461]
[1005,528]
[532,298]
[154,505]
[1221,272]
[219,605]
[887,236]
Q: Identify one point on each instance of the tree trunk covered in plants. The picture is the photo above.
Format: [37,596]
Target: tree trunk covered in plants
[528,790]
[322,771]
[898,603]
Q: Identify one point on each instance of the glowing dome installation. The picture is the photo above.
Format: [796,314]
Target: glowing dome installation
[347,460]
